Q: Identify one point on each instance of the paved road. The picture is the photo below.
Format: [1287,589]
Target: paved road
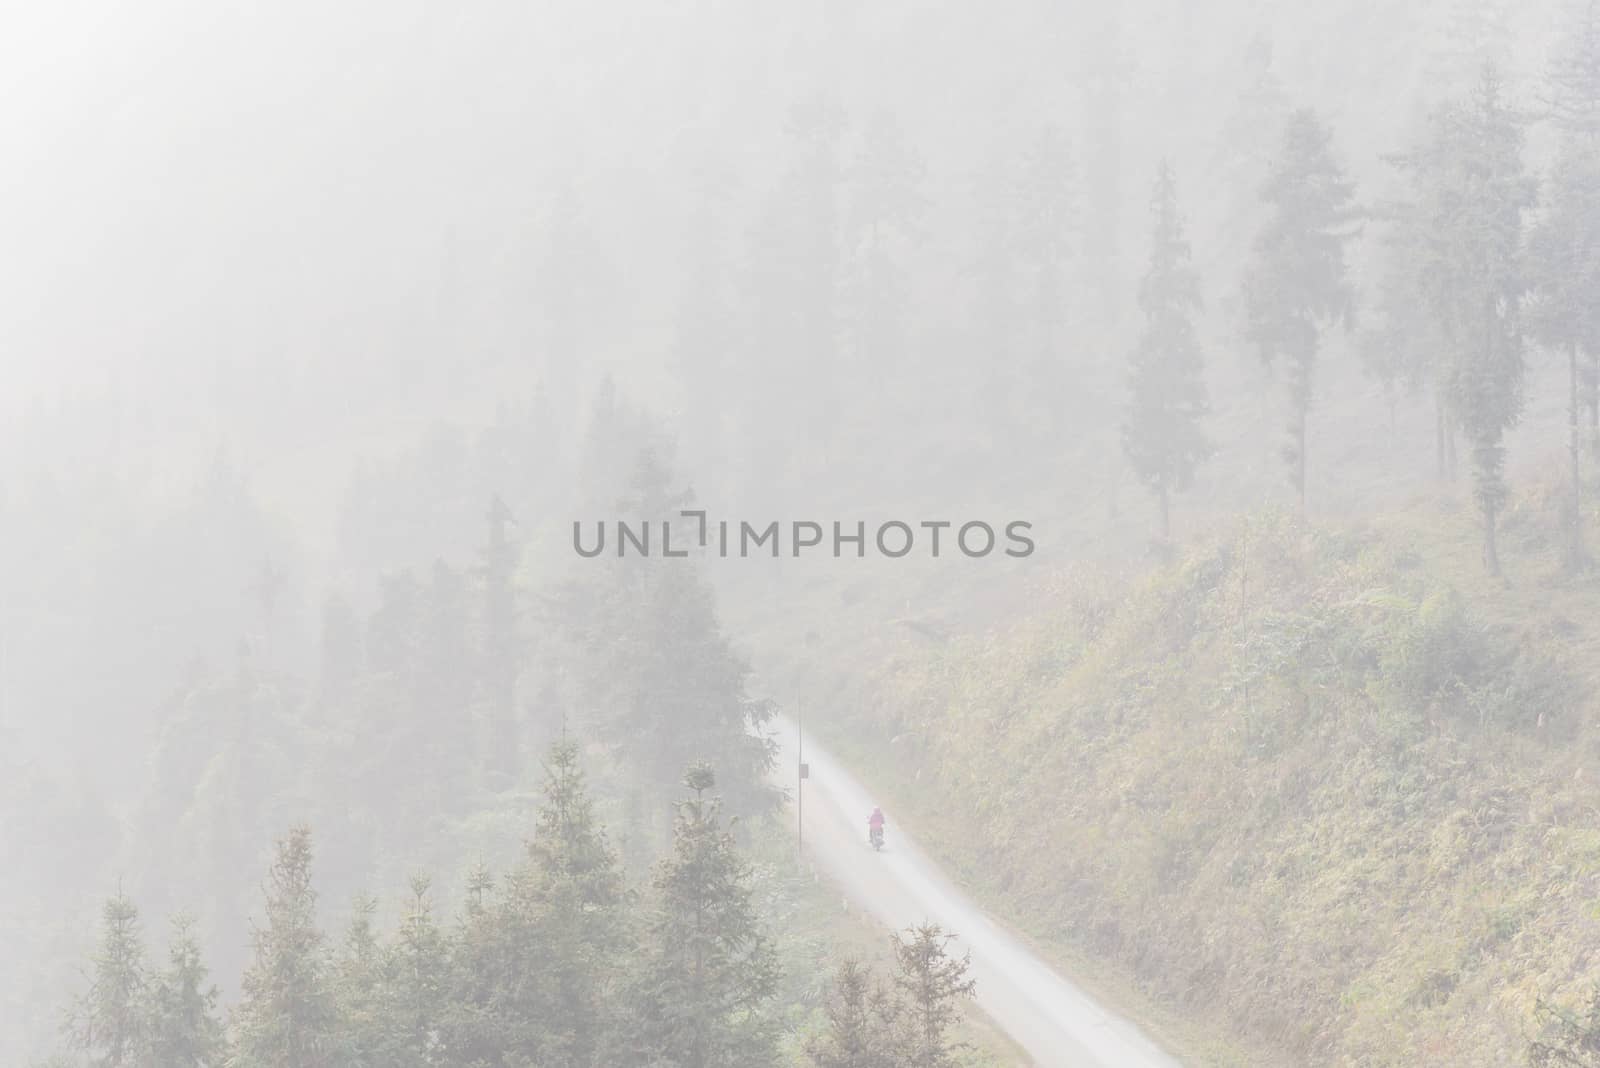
[1058,1024]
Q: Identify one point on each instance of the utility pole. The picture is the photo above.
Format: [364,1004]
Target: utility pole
[800,773]
[802,770]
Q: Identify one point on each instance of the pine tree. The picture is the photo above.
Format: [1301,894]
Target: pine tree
[286,1017]
[932,984]
[863,1023]
[1161,433]
[359,982]
[579,894]
[1564,269]
[417,970]
[1472,193]
[1564,248]
[491,961]
[110,1022]
[1295,287]
[536,964]
[662,681]
[185,1031]
[709,969]
[1245,147]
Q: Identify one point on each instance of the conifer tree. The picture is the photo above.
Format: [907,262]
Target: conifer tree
[359,982]
[536,965]
[418,982]
[863,1023]
[1472,193]
[481,1025]
[286,1017]
[709,969]
[1161,432]
[185,1031]
[110,1022]
[1245,146]
[1564,262]
[932,984]
[1295,287]
[1564,249]
[663,682]
[581,900]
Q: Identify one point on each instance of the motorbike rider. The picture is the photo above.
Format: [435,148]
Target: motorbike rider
[875,823]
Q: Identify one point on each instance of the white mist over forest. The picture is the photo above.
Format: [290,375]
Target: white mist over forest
[326,323]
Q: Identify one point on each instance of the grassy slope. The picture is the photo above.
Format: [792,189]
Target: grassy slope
[1328,790]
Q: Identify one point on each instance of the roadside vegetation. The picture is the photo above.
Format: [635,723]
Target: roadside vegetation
[1328,787]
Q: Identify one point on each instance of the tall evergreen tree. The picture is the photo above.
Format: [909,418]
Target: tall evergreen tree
[494,956]
[1564,248]
[536,963]
[581,900]
[663,682]
[1243,151]
[185,1031]
[1161,433]
[1295,287]
[418,982]
[863,1023]
[359,981]
[709,969]
[110,1022]
[1564,269]
[933,984]
[1472,192]
[286,1017]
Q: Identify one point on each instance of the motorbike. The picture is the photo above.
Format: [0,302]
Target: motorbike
[875,836]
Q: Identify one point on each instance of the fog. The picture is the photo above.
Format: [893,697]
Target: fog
[319,313]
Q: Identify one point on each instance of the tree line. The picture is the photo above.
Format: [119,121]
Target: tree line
[558,963]
[1479,268]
